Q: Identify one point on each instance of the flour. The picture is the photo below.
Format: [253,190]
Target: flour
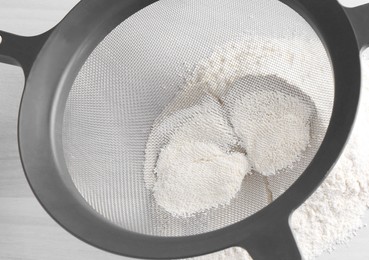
[333,214]
[205,122]
[292,59]
[195,170]
[273,126]
[196,176]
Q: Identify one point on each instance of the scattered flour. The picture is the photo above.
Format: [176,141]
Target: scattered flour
[334,213]
[196,176]
[274,127]
[265,56]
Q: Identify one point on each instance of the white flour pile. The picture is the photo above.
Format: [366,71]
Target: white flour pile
[205,122]
[196,176]
[190,156]
[334,213]
[274,127]
[214,76]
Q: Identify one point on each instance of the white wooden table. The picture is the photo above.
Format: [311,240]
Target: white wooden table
[26,231]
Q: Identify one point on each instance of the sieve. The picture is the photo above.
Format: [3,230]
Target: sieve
[93,91]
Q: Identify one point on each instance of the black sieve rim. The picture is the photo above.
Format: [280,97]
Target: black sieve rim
[40,135]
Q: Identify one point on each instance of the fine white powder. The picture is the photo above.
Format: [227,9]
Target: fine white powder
[205,122]
[273,127]
[194,177]
[195,170]
[264,56]
[334,213]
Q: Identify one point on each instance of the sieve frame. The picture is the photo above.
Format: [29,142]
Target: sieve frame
[50,68]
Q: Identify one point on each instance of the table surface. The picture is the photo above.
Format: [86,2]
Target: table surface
[26,231]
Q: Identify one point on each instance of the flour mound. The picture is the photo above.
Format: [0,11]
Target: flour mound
[204,122]
[273,127]
[334,213]
[193,177]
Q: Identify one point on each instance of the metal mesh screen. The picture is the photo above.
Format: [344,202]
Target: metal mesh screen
[131,82]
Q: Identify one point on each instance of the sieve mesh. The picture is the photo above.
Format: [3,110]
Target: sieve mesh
[131,82]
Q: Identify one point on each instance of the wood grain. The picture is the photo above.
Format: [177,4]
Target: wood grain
[26,231]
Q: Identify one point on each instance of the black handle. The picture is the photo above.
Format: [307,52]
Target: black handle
[275,241]
[359,18]
[21,50]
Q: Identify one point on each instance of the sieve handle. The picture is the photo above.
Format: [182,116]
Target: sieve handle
[21,50]
[273,242]
[359,19]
